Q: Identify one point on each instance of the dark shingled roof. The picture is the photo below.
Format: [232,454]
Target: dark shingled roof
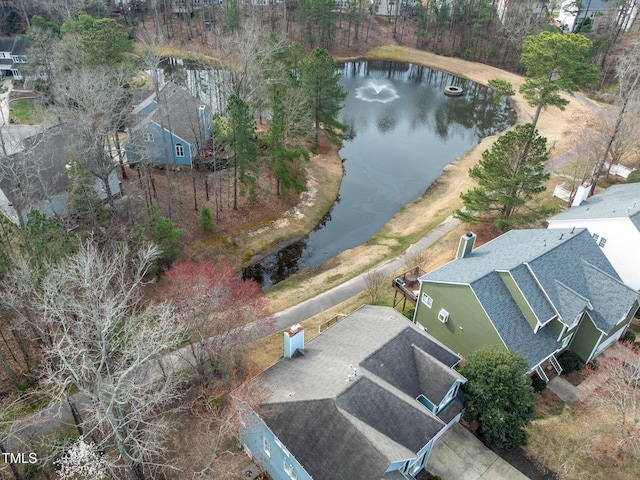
[177,111]
[344,426]
[15,45]
[324,441]
[404,423]
[564,265]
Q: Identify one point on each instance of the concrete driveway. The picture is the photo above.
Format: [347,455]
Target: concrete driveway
[461,456]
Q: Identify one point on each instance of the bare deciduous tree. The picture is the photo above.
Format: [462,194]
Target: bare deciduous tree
[98,102]
[618,391]
[216,306]
[110,346]
[375,285]
[628,77]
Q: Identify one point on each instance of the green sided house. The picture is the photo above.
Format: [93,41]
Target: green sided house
[536,292]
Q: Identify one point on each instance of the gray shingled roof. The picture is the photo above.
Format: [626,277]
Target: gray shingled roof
[41,174]
[323,440]
[177,111]
[334,424]
[617,201]
[15,45]
[566,265]
[535,296]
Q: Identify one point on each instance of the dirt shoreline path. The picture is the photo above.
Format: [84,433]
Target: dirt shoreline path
[438,202]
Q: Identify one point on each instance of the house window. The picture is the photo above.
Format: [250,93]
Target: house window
[179,150]
[288,469]
[443,315]
[602,242]
[427,300]
[596,237]
[148,137]
[266,447]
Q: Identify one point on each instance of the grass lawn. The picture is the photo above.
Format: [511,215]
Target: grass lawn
[25,111]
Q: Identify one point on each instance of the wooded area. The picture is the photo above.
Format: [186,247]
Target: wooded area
[78,309]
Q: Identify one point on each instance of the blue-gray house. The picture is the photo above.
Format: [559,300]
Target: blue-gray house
[177,116]
[365,400]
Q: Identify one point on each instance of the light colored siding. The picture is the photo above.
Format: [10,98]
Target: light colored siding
[468,327]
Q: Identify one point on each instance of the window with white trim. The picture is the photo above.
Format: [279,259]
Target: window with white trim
[602,242]
[288,469]
[443,315]
[148,137]
[596,236]
[179,150]
[427,300]
[266,446]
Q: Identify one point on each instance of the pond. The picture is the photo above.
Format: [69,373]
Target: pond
[402,131]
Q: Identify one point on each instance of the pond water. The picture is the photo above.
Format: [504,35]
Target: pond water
[402,131]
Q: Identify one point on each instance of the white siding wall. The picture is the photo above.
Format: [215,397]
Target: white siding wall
[622,247]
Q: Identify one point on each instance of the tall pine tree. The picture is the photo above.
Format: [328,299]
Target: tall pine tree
[509,175]
[241,130]
[326,96]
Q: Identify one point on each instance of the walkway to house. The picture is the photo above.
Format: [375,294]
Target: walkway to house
[461,456]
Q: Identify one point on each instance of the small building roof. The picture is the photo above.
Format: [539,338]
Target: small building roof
[38,174]
[15,45]
[617,201]
[559,271]
[175,109]
[347,408]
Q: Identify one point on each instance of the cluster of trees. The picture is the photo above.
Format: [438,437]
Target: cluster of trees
[79,327]
[512,172]
[480,30]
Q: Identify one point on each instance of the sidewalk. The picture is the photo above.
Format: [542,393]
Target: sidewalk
[356,285]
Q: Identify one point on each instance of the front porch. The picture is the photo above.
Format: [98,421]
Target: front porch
[548,369]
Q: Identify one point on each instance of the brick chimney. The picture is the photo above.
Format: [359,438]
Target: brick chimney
[293,340]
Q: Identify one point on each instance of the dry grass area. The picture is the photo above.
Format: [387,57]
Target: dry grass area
[581,443]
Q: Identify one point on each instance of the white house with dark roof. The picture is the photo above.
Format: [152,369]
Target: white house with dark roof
[537,292]
[13,53]
[365,400]
[613,219]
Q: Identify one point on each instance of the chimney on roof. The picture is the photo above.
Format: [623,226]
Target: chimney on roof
[582,193]
[467,242]
[293,340]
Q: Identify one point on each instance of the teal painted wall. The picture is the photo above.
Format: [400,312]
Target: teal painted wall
[464,311]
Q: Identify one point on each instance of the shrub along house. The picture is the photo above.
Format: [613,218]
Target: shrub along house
[169,128]
[365,400]
[536,292]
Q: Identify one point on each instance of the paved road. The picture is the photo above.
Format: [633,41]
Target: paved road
[59,413]
[339,294]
